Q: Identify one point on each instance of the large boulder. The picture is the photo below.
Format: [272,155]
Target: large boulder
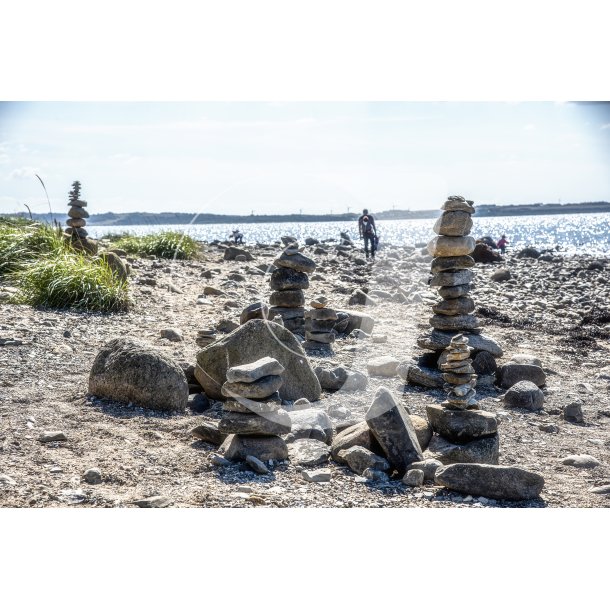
[490,481]
[254,340]
[231,253]
[480,451]
[131,372]
[511,373]
[524,395]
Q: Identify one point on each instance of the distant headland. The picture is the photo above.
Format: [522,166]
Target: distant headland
[169,218]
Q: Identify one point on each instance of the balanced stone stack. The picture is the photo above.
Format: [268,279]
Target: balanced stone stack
[75,231]
[252,416]
[288,282]
[451,267]
[459,419]
[319,324]
[205,337]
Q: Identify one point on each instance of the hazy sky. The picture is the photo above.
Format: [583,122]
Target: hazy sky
[315,157]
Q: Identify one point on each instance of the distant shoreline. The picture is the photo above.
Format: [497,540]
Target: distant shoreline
[180,218]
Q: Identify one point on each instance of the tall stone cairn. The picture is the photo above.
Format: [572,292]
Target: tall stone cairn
[287,283]
[75,231]
[451,267]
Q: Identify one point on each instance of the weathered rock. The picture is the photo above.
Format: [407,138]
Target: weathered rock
[393,429]
[356,435]
[453,223]
[308,423]
[277,422]
[358,297]
[231,253]
[52,436]
[321,475]
[465,322]
[256,465]
[321,314]
[253,371]
[358,320]
[451,246]
[341,378]
[287,298]
[250,342]
[360,458]
[116,264]
[265,448]
[308,452]
[458,204]
[153,502]
[451,263]
[130,372]
[511,373]
[172,335]
[524,395]
[288,313]
[452,278]
[288,279]
[208,432]
[383,366]
[423,376]
[423,430]
[481,451]
[261,388]
[93,476]
[454,307]
[484,364]
[454,292]
[438,340]
[489,481]
[255,311]
[573,412]
[461,426]
[501,275]
[296,261]
[245,405]
[6,481]
[581,461]
[414,477]
[428,467]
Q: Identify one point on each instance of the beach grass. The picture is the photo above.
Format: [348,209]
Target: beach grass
[166,244]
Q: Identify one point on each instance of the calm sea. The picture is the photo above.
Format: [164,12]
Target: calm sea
[570,233]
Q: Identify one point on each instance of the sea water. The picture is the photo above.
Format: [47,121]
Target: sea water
[568,233]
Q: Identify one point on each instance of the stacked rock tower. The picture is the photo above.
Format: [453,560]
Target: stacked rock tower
[288,282]
[75,231]
[319,324]
[459,419]
[451,267]
[252,415]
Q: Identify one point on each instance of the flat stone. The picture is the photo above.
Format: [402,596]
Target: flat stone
[382,366]
[461,426]
[277,422]
[319,326]
[286,313]
[491,481]
[451,246]
[451,263]
[524,395]
[296,261]
[481,451]
[309,452]
[245,405]
[52,436]
[321,314]
[391,426]
[253,371]
[321,475]
[207,431]
[422,376]
[356,435]
[453,292]
[153,502]
[454,205]
[452,278]
[261,388]
[320,337]
[454,307]
[288,279]
[360,458]
[526,359]
[257,465]
[465,322]
[581,461]
[265,448]
[287,298]
[438,340]
[5,480]
[511,373]
[453,223]
[601,490]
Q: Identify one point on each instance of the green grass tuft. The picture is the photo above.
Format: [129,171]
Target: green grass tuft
[167,244]
[71,279]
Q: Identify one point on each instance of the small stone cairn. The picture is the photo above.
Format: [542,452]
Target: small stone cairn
[205,337]
[288,282]
[459,419]
[319,324]
[75,231]
[252,415]
[451,267]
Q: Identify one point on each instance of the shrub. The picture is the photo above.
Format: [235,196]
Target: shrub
[167,244]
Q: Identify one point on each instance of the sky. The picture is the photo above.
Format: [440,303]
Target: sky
[242,157]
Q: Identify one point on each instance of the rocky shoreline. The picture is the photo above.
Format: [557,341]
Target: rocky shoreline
[550,307]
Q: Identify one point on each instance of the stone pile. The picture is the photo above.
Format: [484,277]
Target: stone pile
[319,323]
[288,282]
[252,416]
[459,419]
[75,231]
[205,337]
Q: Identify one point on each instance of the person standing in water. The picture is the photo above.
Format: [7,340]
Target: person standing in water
[501,245]
[368,232]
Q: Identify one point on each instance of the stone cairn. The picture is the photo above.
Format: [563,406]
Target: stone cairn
[205,337]
[451,267]
[252,416]
[288,282]
[459,419]
[319,324]
[75,231]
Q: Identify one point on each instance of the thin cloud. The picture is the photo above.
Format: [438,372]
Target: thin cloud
[23,172]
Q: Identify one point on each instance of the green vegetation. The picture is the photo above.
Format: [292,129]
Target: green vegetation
[50,273]
[167,244]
